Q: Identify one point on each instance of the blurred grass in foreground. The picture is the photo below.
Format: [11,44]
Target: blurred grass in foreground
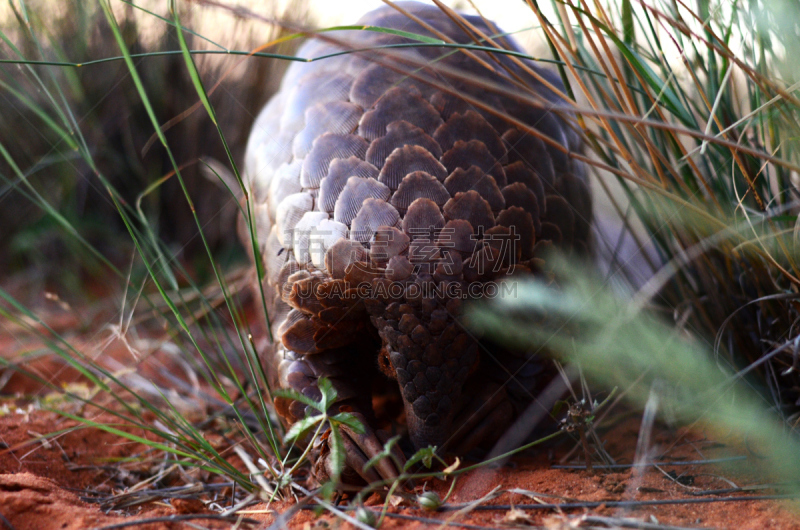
[700,133]
[696,120]
[619,344]
[113,179]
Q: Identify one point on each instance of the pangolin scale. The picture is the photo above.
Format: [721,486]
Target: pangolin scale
[389,187]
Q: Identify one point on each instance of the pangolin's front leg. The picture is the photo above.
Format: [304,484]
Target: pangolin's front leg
[326,334]
[390,189]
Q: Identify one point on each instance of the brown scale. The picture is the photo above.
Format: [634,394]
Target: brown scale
[561,214]
[326,148]
[435,197]
[470,126]
[407,159]
[465,154]
[340,117]
[387,242]
[524,227]
[399,104]
[373,214]
[474,178]
[449,104]
[398,134]
[354,196]
[518,194]
[375,82]
[419,185]
[423,220]
[570,188]
[520,172]
[471,207]
[531,152]
[339,171]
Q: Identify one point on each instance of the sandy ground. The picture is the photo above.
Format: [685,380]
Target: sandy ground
[72,479]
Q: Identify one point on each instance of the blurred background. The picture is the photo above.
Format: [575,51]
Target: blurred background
[71,134]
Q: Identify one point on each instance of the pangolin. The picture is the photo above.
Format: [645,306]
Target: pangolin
[391,185]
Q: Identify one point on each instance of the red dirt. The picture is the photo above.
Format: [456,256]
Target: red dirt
[42,483]
[46,483]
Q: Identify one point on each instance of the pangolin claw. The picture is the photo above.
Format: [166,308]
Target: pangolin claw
[360,450]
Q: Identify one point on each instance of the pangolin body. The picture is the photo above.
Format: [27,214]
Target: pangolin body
[389,186]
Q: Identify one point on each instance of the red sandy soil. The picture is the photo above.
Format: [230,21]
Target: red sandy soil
[51,483]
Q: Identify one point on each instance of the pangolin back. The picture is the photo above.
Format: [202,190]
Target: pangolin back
[383,183]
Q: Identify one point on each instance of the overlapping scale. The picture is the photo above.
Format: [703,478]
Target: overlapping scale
[521,223]
[326,148]
[448,104]
[311,89]
[560,213]
[470,126]
[373,214]
[266,156]
[408,159]
[399,268]
[339,117]
[475,179]
[423,220]
[531,152]
[285,182]
[288,269]
[301,237]
[342,255]
[458,235]
[419,184]
[470,207]
[322,237]
[266,129]
[340,170]
[520,172]
[399,104]
[465,154]
[387,242]
[575,192]
[546,122]
[297,333]
[550,236]
[398,134]
[518,194]
[374,80]
[355,193]
[289,213]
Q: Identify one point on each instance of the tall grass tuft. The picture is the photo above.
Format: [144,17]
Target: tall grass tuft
[690,113]
[78,134]
[116,177]
[699,131]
